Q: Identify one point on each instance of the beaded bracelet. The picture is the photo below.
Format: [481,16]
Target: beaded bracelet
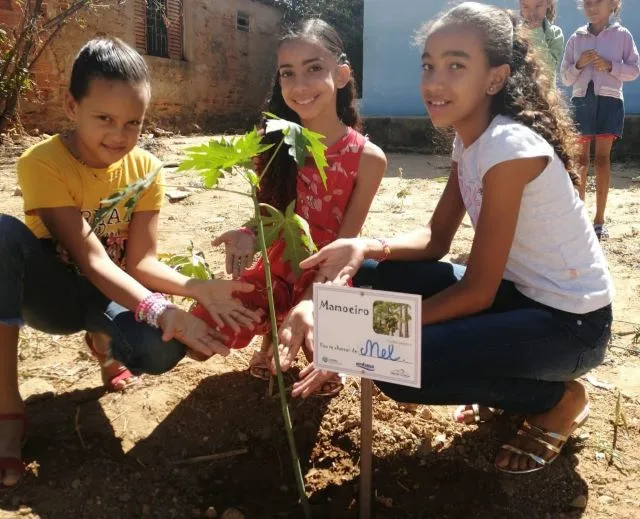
[151,308]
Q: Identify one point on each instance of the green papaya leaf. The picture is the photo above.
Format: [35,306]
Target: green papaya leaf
[192,265]
[302,142]
[130,194]
[272,223]
[297,236]
[221,155]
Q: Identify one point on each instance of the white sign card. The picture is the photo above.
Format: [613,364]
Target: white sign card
[368,333]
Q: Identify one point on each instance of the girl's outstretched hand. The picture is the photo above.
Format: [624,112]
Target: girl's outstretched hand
[296,331]
[194,333]
[339,261]
[239,250]
[216,296]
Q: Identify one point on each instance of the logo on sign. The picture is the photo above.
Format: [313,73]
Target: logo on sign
[364,365]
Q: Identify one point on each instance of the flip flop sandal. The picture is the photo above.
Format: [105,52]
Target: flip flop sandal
[336,385]
[115,383]
[9,462]
[459,418]
[536,433]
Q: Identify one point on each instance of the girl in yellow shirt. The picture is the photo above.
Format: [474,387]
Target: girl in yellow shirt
[58,276]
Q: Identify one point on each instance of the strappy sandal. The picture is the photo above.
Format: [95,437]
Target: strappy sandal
[538,434]
[335,385]
[459,418]
[601,230]
[122,380]
[11,462]
[260,365]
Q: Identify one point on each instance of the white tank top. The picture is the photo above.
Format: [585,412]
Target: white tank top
[555,257]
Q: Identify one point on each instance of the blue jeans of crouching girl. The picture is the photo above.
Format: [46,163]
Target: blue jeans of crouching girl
[514,356]
[38,289]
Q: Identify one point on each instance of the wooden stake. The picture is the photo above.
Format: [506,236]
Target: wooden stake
[366,440]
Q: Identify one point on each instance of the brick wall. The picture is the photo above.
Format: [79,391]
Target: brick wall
[216,76]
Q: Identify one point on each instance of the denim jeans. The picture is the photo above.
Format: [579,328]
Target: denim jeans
[514,356]
[38,289]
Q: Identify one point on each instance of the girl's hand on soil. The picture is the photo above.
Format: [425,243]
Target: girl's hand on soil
[194,333]
[588,56]
[296,332]
[217,297]
[602,65]
[311,380]
[239,250]
[339,261]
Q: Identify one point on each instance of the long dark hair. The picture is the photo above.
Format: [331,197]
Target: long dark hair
[278,186]
[528,96]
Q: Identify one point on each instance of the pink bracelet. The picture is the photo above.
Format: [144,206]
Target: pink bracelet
[247,230]
[151,308]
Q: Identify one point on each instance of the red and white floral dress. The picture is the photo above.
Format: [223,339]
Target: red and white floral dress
[324,210]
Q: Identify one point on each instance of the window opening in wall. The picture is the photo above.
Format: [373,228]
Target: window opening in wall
[243,22]
[157,34]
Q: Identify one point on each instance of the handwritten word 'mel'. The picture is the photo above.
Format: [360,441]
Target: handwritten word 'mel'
[372,349]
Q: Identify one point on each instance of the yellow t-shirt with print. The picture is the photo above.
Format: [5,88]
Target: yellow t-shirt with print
[50,177]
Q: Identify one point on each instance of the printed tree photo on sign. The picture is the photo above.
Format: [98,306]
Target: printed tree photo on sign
[391,319]
[233,156]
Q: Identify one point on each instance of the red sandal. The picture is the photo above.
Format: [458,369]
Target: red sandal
[10,462]
[122,380]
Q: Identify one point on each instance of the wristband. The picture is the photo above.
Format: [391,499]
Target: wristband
[247,230]
[386,250]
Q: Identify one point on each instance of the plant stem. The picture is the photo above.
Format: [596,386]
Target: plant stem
[276,357]
[273,156]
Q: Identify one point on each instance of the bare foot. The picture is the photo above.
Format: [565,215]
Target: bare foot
[561,419]
[11,438]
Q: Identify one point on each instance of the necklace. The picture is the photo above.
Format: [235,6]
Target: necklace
[67,141]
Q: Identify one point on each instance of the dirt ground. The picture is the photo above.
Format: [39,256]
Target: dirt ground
[98,455]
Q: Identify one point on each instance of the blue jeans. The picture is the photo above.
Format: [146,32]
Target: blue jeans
[515,356]
[38,289]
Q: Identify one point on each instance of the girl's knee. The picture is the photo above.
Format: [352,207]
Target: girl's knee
[602,160]
[12,231]
[157,359]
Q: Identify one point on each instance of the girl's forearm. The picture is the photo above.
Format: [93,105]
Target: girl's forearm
[114,283]
[456,301]
[159,277]
[414,246]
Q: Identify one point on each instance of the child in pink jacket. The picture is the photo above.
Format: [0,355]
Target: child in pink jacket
[598,58]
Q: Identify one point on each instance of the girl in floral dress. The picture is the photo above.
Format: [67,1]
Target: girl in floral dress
[314,87]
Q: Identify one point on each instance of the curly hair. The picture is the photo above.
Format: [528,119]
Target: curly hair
[527,96]
[278,186]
